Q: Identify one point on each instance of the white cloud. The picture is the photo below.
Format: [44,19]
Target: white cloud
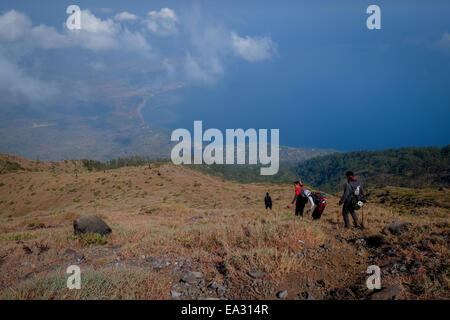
[208,50]
[134,41]
[14,25]
[205,72]
[253,49]
[125,16]
[214,45]
[162,23]
[48,38]
[17,87]
[95,34]
[21,82]
[90,23]
[205,63]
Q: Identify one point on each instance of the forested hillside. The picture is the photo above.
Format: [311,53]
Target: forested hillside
[405,167]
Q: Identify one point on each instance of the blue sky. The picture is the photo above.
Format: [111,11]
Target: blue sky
[312,70]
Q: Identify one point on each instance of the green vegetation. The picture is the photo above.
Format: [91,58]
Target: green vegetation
[132,161]
[407,200]
[90,239]
[104,284]
[405,167]
[247,173]
[92,165]
[7,166]
[17,236]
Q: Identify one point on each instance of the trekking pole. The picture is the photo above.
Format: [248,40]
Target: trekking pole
[362,213]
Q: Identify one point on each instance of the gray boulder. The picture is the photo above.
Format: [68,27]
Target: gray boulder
[90,224]
[397,227]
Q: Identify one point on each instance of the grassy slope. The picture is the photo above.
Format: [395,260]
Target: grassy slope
[197,222]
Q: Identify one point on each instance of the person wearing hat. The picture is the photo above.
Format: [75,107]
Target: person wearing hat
[352,188]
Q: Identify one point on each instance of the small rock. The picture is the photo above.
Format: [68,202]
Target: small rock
[79,257]
[255,274]
[282,294]
[257,282]
[307,295]
[326,246]
[397,228]
[301,255]
[175,294]
[198,275]
[388,293]
[191,277]
[221,290]
[69,252]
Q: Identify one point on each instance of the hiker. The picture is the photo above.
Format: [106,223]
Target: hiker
[320,200]
[299,198]
[351,199]
[268,201]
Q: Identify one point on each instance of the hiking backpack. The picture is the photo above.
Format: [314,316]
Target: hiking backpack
[319,197]
[357,200]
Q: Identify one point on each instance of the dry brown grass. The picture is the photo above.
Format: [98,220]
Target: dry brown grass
[181,214]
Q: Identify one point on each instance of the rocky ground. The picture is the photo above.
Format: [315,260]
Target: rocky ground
[180,234]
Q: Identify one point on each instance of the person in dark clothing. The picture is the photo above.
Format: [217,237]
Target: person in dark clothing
[351,188]
[268,201]
[299,198]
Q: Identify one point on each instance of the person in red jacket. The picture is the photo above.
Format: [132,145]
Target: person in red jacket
[299,198]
